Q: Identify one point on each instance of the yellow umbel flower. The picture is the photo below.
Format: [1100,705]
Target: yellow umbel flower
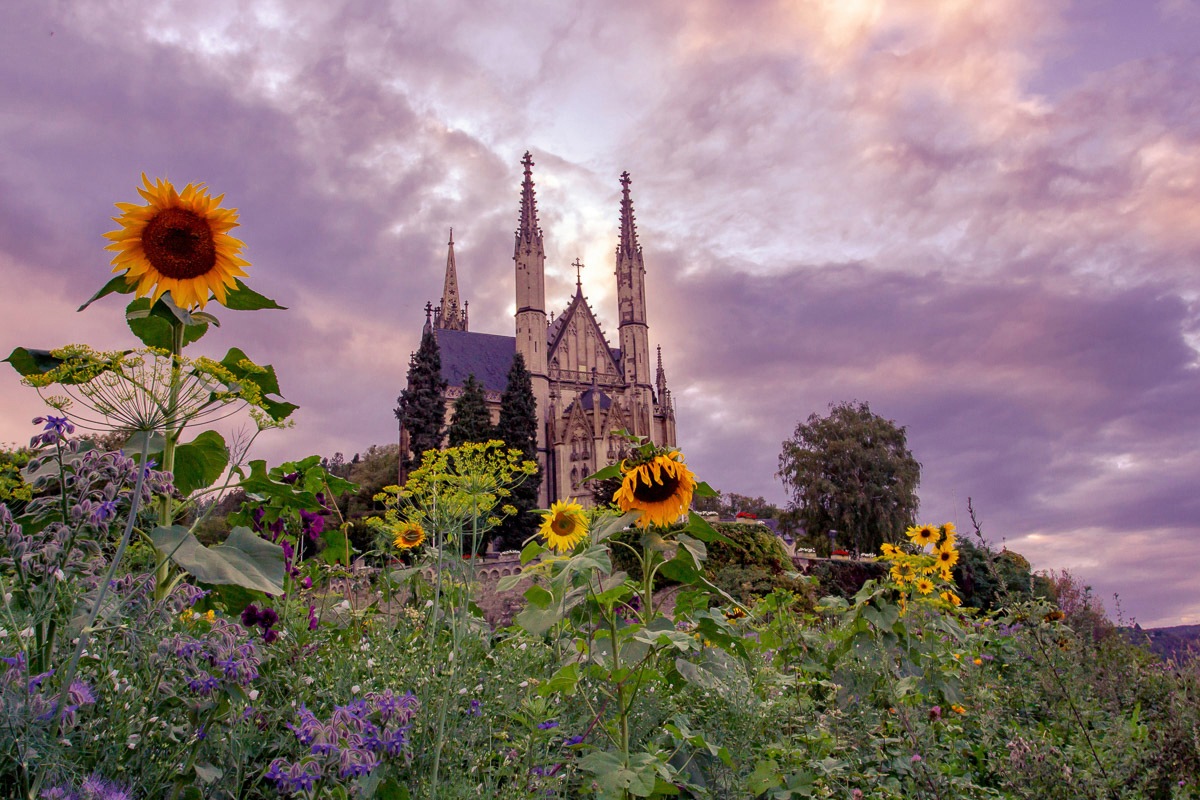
[178,242]
[922,535]
[408,535]
[660,488]
[564,526]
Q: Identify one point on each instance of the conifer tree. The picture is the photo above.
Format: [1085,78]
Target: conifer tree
[471,421]
[422,408]
[518,429]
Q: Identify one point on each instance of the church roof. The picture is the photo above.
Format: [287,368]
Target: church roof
[486,356]
[588,400]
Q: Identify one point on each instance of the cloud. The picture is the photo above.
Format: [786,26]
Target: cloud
[980,218]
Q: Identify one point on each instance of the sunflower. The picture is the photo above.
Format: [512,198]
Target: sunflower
[922,535]
[951,598]
[903,573]
[946,555]
[924,585]
[945,573]
[563,526]
[178,242]
[408,535]
[948,533]
[888,550]
[660,488]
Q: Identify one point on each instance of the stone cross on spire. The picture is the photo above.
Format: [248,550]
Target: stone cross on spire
[578,265]
[628,244]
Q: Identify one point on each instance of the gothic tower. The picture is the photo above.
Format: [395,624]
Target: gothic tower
[631,308]
[529,254]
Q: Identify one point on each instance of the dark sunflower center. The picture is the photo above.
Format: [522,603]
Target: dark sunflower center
[411,537]
[656,492]
[563,525]
[179,244]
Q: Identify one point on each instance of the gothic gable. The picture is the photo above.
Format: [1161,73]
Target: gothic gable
[579,345]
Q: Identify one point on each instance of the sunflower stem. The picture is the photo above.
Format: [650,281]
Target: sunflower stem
[172,431]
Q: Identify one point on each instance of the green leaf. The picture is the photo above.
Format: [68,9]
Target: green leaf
[243,298]
[335,546]
[698,526]
[200,462]
[155,325]
[538,621]
[509,582]
[564,681]
[243,560]
[118,284]
[207,773]
[530,552]
[391,790]
[538,596]
[704,490]
[611,471]
[137,441]
[262,376]
[32,362]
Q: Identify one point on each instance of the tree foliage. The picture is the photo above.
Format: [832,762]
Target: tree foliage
[422,404]
[851,472]
[517,428]
[471,421]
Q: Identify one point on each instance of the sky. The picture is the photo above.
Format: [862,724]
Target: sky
[983,219]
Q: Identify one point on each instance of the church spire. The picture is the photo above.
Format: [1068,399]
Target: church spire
[631,301]
[528,232]
[628,243]
[660,379]
[449,315]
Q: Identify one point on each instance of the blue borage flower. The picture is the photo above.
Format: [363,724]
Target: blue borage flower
[352,742]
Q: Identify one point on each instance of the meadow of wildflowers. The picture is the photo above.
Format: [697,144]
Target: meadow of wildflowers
[138,662]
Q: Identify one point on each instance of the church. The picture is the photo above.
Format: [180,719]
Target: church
[585,388]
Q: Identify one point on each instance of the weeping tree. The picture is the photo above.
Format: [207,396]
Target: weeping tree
[851,472]
[471,421]
[422,404]
[517,428]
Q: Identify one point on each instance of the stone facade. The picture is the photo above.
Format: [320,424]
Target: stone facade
[585,388]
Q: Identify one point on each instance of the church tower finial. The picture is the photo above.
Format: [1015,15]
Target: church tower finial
[451,314]
[629,241]
[528,232]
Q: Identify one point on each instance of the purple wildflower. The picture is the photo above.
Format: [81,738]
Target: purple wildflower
[250,615]
[475,710]
[547,725]
[574,740]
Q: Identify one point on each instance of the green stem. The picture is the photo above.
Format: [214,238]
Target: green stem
[172,431]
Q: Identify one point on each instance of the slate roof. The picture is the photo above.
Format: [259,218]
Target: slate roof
[486,356]
[588,400]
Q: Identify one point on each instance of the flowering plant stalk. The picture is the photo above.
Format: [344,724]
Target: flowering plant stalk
[176,255]
[617,635]
[457,497]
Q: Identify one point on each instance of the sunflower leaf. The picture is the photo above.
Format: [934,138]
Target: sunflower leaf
[611,471]
[200,462]
[243,298]
[32,362]
[262,376]
[243,560]
[117,284]
[704,490]
[155,325]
